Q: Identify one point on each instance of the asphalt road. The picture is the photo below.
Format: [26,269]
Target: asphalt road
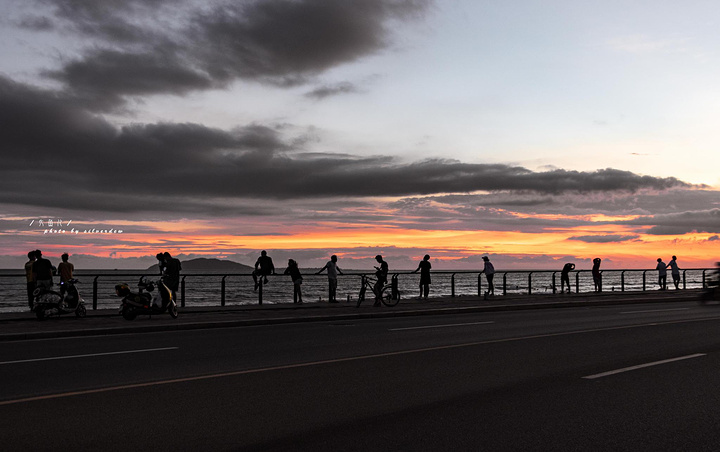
[631,377]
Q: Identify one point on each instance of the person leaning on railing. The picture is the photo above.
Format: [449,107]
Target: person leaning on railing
[30,278]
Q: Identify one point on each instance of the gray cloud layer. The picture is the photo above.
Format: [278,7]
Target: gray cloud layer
[173,47]
[49,137]
[683,222]
[609,238]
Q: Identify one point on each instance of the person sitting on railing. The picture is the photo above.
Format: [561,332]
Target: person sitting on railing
[263,266]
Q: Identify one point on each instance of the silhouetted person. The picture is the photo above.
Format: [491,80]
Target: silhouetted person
[674,271]
[565,277]
[161,263]
[381,273]
[294,271]
[172,273]
[662,274]
[263,266]
[43,271]
[65,269]
[332,271]
[596,274]
[424,268]
[489,270]
[30,278]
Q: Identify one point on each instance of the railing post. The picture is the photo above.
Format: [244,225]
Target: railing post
[182,292]
[395,291]
[95,290]
[505,283]
[622,281]
[260,290]
[222,291]
[577,281]
[554,286]
[452,285]
[530,283]
[480,294]
[644,272]
[684,279]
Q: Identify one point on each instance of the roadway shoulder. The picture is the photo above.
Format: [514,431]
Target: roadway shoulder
[99,323]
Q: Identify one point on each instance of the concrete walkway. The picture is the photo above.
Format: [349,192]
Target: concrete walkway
[24,325]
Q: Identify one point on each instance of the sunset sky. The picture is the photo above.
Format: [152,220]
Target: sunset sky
[535,132]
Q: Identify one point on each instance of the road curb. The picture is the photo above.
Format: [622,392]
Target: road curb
[384,313]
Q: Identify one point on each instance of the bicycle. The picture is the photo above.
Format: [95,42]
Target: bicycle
[385,295]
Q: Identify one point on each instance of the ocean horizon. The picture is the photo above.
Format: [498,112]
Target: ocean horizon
[204,288]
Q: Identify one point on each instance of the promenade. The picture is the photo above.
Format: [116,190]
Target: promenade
[24,325]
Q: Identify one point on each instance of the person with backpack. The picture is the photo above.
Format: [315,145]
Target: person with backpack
[489,271]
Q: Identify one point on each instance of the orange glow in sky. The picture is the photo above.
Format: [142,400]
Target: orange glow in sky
[637,249]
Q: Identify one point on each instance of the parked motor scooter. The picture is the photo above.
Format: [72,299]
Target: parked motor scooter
[49,302]
[144,302]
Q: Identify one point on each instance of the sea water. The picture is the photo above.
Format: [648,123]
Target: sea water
[205,289]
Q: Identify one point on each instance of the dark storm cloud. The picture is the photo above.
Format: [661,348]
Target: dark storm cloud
[610,238]
[165,47]
[114,21]
[383,177]
[682,223]
[104,76]
[50,139]
[643,202]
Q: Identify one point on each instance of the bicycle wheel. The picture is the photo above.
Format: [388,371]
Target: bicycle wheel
[361,296]
[387,298]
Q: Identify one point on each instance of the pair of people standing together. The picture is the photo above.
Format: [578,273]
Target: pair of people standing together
[662,272]
[596,274]
[424,268]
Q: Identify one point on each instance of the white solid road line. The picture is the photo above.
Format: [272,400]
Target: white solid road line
[655,310]
[642,366]
[88,355]
[438,326]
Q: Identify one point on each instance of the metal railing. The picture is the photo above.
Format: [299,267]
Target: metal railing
[515,281]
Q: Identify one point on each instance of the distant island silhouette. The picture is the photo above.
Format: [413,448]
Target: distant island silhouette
[203,264]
